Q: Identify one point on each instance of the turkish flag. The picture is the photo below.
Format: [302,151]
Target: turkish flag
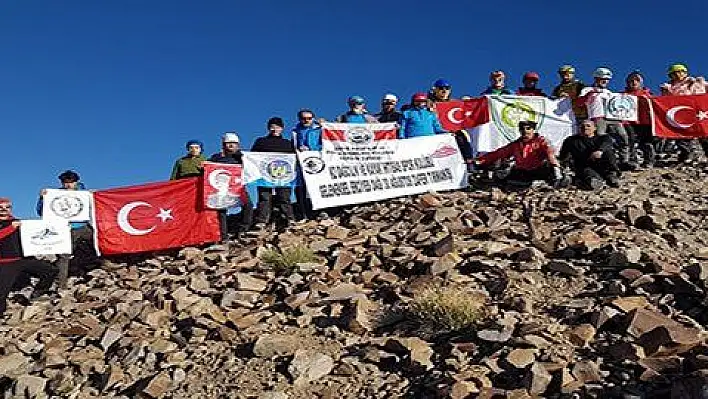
[223,185]
[153,217]
[458,115]
[680,117]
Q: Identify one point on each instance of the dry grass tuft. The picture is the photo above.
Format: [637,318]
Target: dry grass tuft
[288,259]
[447,309]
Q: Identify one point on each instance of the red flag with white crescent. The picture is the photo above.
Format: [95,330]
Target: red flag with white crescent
[680,117]
[153,217]
[458,115]
[223,185]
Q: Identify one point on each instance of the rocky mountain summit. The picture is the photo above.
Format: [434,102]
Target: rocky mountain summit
[480,293]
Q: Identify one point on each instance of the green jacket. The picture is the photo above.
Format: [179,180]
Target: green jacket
[188,166]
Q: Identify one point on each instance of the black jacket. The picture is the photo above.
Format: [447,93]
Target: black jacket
[273,144]
[235,158]
[10,248]
[394,116]
[580,147]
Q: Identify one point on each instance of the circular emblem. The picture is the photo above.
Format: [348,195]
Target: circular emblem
[621,107]
[517,111]
[66,206]
[359,135]
[313,165]
[279,169]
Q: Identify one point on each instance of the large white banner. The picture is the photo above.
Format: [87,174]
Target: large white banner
[357,168]
[67,205]
[269,169]
[45,237]
[554,119]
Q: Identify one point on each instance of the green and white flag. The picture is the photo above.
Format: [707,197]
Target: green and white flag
[554,118]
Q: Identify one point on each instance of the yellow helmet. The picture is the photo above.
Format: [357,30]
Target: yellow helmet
[677,68]
[566,68]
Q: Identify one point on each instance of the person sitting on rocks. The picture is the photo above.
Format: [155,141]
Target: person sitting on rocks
[13,267]
[593,157]
[533,156]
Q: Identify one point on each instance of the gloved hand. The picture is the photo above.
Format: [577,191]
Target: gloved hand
[557,173]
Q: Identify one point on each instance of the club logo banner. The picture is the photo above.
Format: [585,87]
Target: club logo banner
[622,107]
[222,185]
[45,237]
[268,169]
[381,169]
[67,205]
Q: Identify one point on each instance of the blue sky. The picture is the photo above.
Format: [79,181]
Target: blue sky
[113,89]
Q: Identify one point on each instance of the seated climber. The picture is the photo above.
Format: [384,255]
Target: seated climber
[533,158]
[593,157]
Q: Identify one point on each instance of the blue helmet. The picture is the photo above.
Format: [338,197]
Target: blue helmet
[193,142]
[442,83]
[356,100]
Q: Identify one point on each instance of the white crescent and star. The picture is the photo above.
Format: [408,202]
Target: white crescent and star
[671,117]
[451,115]
[124,214]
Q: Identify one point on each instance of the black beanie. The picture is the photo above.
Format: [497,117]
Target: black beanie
[276,121]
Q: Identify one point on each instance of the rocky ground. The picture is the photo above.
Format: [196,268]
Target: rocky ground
[568,294]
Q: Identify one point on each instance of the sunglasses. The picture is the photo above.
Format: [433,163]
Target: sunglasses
[528,127]
[306,118]
[444,87]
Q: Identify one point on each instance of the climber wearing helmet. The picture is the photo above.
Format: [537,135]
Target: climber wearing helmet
[530,80]
[533,156]
[570,87]
[231,154]
[595,98]
[682,84]
[189,165]
[357,112]
[388,113]
[638,132]
[442,92]
[497,86]
[418,120]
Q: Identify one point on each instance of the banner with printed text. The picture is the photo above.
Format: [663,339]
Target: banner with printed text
[45,237]
[365,164]
[269,169]
[554,119]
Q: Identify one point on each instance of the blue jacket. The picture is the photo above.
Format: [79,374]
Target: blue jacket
[310,137]
[417,122]
[351,117]
[74,225]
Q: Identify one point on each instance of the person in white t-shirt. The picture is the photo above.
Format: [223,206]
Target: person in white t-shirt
[595,98]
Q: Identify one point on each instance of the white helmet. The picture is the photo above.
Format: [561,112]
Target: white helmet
[602,73]
[390,97]
[230,137]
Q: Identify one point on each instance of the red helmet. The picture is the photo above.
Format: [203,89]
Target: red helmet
[419,97]
[531,76]
[497,74]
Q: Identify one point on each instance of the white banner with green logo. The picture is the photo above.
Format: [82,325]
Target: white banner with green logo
[554,118]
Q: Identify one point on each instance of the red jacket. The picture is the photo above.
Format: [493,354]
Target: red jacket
[10,249]
[523,91]
[528,155]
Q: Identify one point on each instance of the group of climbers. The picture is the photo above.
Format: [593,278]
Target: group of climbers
[597,155]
